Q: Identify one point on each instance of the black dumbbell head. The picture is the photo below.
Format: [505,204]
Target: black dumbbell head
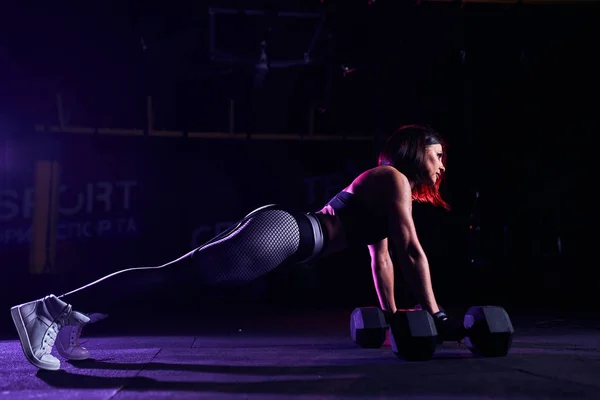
[489,331]
[368,327]
[413,335]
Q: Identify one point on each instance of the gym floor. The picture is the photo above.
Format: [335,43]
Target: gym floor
[304,356]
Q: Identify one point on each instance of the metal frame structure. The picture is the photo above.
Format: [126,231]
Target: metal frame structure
[217,55]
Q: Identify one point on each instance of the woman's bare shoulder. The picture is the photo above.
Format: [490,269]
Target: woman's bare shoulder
[384,178]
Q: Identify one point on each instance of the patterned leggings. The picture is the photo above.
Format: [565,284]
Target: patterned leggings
[265,239]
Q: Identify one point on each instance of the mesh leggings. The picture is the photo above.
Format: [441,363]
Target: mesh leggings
[267,238]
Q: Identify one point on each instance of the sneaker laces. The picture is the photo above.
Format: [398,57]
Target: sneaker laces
[53,329]
[75,334]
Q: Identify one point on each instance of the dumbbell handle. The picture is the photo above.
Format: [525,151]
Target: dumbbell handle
[448,328]
[388,316]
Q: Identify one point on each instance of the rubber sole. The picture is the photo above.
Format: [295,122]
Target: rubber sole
[26,343]
[64,354]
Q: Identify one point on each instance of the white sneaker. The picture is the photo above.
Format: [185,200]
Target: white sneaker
[67,341]
[38,323]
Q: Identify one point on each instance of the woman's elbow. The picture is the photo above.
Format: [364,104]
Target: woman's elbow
[412,254]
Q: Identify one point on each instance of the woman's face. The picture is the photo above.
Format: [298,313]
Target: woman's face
[433,164]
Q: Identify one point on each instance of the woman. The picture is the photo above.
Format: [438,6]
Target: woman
[374,210]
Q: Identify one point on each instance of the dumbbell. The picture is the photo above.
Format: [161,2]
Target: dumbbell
[413,336]
[488,331]
[368,327]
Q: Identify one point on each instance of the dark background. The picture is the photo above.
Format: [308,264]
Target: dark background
[513,88]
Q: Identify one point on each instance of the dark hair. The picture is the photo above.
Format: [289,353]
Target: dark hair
[405,151]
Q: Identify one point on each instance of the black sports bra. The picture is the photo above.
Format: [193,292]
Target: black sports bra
[363,223]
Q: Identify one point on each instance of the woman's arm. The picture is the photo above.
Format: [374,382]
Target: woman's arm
[382,269]
[406,245]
